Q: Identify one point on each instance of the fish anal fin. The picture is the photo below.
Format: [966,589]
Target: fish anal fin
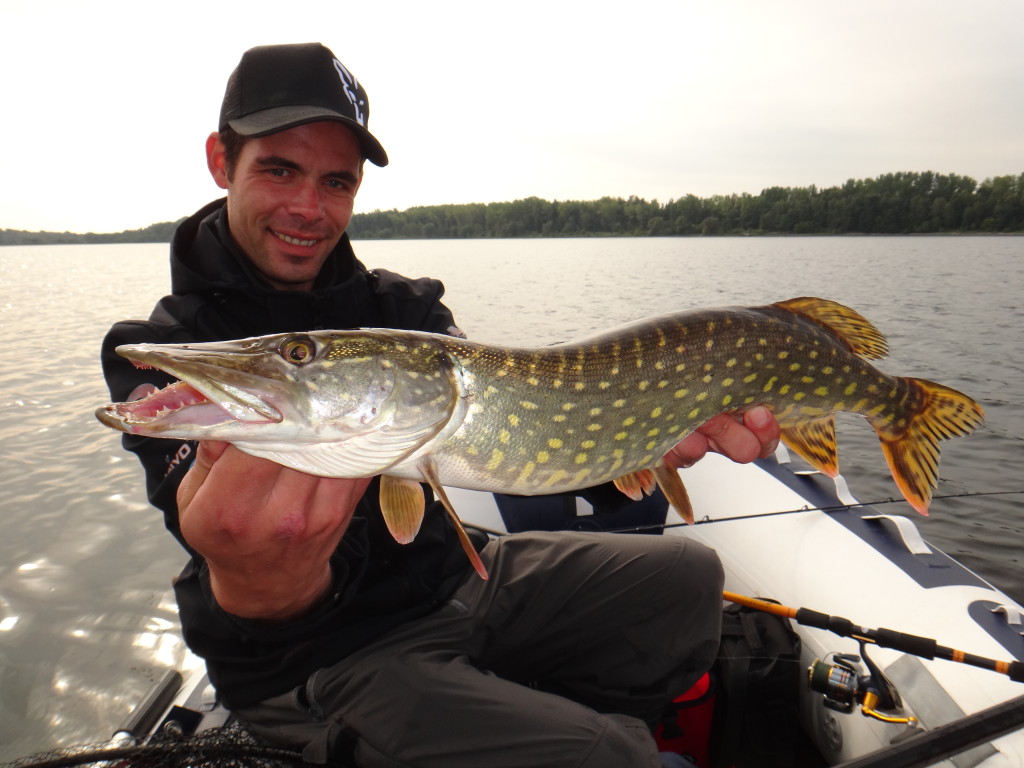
[429,472]
[815,442]
[402,504]
[852,328]
[672,486]
[636,484]
[912,452]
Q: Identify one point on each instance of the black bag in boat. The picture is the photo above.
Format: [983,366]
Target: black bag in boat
[758,678]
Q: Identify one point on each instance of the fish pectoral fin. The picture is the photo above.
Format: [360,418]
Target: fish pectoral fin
[429,472]
[636,484]
[672,486]
[402,504]
[814,442]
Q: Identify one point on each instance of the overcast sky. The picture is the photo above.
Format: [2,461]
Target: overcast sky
[106,106]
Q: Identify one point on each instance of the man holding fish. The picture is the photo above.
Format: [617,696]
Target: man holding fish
[321,631]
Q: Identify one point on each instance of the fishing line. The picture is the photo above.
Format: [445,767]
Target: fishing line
[838,507]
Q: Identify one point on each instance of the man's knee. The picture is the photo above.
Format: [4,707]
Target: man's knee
[625,742]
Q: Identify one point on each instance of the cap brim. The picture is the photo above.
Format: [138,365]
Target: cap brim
[277,119]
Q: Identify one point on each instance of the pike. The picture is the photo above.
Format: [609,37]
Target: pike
[419,407]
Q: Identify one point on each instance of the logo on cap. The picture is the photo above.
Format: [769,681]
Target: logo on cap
[352,92]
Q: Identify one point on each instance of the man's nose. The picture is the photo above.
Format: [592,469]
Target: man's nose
[307,201]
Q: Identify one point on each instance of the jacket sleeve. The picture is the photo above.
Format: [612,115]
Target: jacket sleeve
[164,461]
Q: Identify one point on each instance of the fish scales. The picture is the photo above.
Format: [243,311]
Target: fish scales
[554,418]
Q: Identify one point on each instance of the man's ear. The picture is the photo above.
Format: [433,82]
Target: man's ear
[216,160]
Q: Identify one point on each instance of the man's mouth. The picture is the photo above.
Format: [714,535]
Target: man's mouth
[304,243]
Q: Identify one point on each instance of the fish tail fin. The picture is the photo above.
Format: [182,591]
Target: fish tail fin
[814,442]
[911,444]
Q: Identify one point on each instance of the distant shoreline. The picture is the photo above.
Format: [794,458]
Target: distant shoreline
[892,204]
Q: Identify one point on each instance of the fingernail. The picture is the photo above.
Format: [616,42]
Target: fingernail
[759,416]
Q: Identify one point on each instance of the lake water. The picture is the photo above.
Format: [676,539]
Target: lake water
[85,564]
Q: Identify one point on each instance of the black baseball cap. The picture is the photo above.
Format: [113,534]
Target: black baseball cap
[276,87]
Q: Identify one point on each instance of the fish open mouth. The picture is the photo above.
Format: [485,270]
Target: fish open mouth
[182,405]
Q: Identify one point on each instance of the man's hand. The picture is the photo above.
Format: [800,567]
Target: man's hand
[267,532]
[742,437]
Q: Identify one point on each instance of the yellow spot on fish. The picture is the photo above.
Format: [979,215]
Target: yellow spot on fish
[798,396]
[504,436]
[604,385]
[850,388]
[709,344]
[727,399]
[543,457]
[588,444]
[794,366]
[568,406]
[621,435]
[694,413]
[528,468]
[784,389]
[581,458]
[727,382]
[528,405]
[555,443]
[731,362]
[708,378]
[821,391]
[619,403]
[749,378]
[680,393]
[513,420]
[653,432]
[497,457]
[651,445]
[593,427]
[680,367]
[596,411]
[701,396]
[559,417]
[579,385]
[629,421]
[783,354]
[656,413]
[556,383]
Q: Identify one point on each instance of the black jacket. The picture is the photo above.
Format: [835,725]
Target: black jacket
[378,583]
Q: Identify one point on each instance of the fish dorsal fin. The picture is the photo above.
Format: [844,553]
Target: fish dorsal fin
[814,442]
[402,504]
[852,328]
[356,456]
[429,472]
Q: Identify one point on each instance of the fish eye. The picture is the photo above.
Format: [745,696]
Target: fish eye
[298,350]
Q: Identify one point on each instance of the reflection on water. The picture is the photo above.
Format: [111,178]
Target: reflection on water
[85,565]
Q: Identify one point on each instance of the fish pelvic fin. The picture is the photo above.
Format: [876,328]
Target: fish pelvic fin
[672,486]
[852,328]
[911,444]
[636,484]
[429,472]
[814,442]
[402,503]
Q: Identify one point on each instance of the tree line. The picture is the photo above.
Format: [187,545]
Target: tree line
[891,204]
[154,233]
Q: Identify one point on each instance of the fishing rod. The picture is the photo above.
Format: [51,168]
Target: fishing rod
[915,645]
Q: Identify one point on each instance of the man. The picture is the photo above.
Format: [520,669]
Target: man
[319,630]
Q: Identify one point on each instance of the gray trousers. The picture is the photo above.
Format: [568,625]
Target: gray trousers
[562,659]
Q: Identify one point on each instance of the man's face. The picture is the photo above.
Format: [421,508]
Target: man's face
[290,198]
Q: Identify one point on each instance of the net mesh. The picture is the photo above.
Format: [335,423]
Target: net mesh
[227,747]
